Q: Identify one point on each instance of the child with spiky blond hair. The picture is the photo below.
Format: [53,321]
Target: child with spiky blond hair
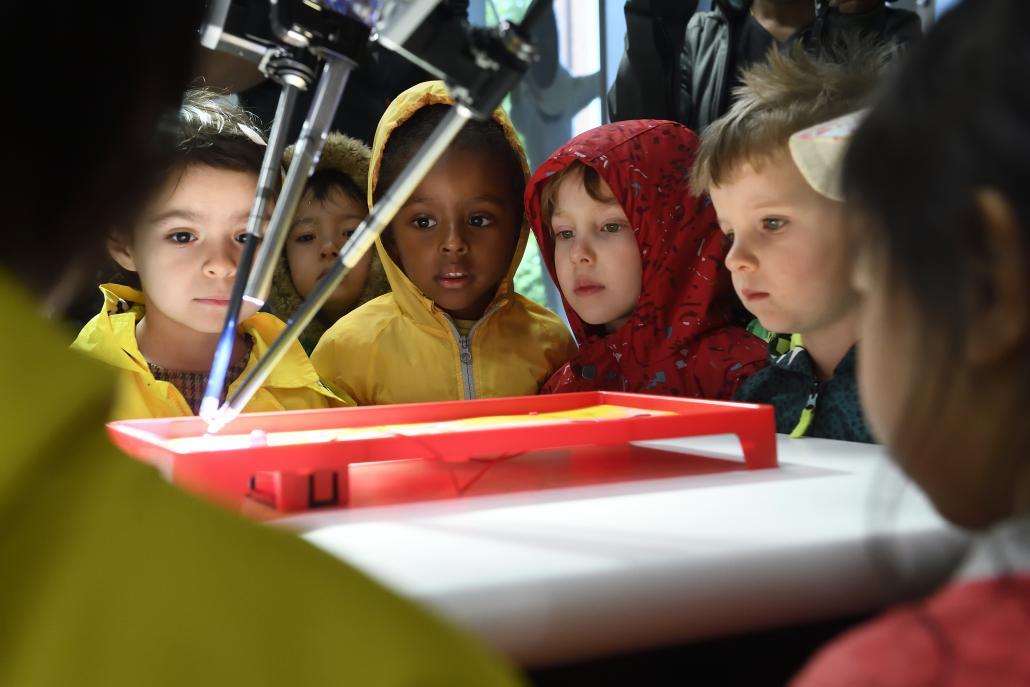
[780,209]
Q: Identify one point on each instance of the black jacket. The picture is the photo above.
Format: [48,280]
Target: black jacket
[804,405]
[644,85]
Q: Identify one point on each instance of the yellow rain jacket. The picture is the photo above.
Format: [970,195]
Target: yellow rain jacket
[402,348]
[111,337]
[112,577]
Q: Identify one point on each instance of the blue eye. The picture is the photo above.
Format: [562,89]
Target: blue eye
[773,223]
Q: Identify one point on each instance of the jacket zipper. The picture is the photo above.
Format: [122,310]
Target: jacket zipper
[807,413]
[468,379]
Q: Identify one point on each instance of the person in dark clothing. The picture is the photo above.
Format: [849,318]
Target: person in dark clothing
[716,45]
[771,168]
[643,87]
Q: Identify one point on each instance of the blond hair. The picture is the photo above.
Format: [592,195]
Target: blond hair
[788,92]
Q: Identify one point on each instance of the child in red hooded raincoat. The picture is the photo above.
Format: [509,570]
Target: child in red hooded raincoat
[638,259]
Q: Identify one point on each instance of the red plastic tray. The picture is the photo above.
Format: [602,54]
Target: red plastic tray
[311,475]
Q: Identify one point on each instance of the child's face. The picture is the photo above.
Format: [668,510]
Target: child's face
[595,254]
[188,243]
[316,237]
[947,404]
[888,349]
[788,256]
[456,234]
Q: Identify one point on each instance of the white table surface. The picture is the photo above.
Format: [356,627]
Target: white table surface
[570,574]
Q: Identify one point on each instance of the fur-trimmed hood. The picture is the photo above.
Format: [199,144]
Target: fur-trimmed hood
[350,156]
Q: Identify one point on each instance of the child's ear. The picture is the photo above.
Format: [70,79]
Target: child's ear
[999,295]
[120,251]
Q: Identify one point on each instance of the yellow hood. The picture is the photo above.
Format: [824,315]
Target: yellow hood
[409,298]
[401,348]
[111,338]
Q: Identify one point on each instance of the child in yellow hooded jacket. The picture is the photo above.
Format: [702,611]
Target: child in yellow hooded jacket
[452,327]
[184,251]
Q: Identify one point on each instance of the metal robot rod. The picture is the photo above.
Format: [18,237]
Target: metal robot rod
[268,180]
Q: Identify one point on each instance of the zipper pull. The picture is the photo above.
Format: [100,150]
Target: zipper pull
[807,413]
[466,351]
[813,397]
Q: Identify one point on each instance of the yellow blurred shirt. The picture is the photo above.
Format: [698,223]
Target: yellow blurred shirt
[109,576]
